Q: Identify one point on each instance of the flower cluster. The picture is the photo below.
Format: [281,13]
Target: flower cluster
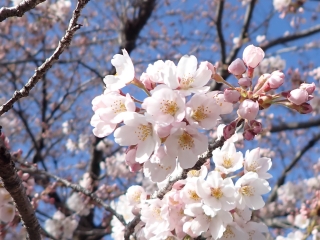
[168,124]
[60,226]
[206,204]
[260,96]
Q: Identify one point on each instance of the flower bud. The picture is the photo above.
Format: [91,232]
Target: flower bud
[252,56]
[275,80]
[245,82]
[255,126]
[229,130]
[248,109]
[308,87]
[304,108]
[298,96]
[237,67]
[145,79]
[231,95]
[248,135]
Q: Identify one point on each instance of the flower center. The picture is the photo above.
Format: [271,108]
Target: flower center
[227,162]
[143,131]
[200,113]
[228,233]
[136,196]
[186,141]
[169,107]
[118,106]
[252,167]
[193,195]
[217,193]
[186,82]
[247,191]
[156,213]
[194,173]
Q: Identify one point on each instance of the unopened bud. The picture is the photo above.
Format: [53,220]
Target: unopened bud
[298,96]
[229,130]
[237,67]
[248,135]
[276,79]
[252,56]
[308,87]
[245,82]
[231,95]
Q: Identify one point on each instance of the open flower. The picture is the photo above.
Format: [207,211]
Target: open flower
[227,159]
[192,79]
[250,188]
[186,143]
[138,131]
[125,71]
[165,105]
[216,192]
[202,111]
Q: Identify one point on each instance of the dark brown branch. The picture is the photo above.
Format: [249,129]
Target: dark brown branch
[13,185]
[295,160]
[219,15]
[244,32]
[18,11]
[161,192]
[295,125]
[40,71]
[291,37]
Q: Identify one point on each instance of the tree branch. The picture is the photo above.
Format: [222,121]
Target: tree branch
[244,31]
[77,188]
[294,161]
[18,11]
[13,185]
[40,71]
[291,37]
[219,13]
[295,125]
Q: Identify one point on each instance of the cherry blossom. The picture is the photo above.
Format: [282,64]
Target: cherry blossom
[249,189]
[254,163]
[125,71]
[227,159]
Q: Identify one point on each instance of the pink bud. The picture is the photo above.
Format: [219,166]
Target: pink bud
[245,82]
[229,130]
[256,127]
[248,109]
[210,66]
[145,79]
[248,135]
[131,160]
[231,95]
[308,87]
[276,80]
[298,96]
[237,67]
[252,56]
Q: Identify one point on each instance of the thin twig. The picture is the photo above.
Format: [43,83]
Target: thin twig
[295,160]
[40,71]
